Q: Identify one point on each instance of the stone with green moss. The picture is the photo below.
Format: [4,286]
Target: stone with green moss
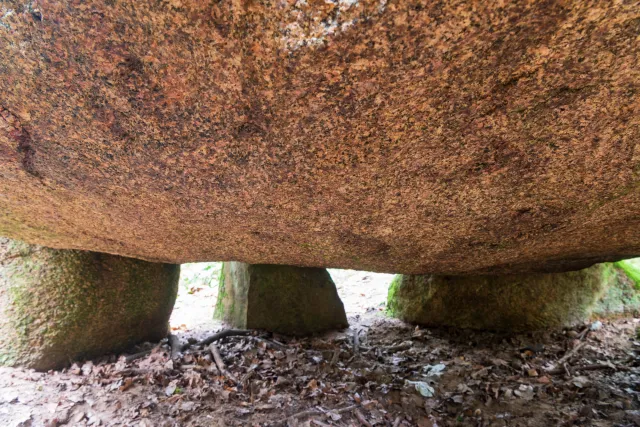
[284,299]
[631,268]
[57,306]
[502,303]
[622,295]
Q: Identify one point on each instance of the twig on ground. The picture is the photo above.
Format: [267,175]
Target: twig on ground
[247,376]
[135,372]
[310,412]
[397,422]
[302,414]
[361,418]
[220,363]
[571,353]
[599,366]
[400,347]
[592,367]
[272,343]
[584,332]
[356,341]
[218,336]
[132,372]
[174,343]
[335,357]
[566,357]
[135,356]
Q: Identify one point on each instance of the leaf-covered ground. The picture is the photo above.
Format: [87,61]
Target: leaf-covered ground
[379,372]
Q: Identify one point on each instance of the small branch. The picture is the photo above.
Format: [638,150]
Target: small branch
[568,356]
[584,332]
[599,366]
[136,356]
[174,343]
[220,335]
[271,343]
[356,341]
[571,353]
[400,347]
[310,412]
[217,357]
[361,418]
[220,363]
[132,372]
[335,357]
[592,367]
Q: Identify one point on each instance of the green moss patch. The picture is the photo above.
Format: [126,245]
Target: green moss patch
[632,268]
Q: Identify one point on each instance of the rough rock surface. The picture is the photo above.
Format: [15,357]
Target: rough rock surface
[283,299]
[622,295]
[387,135]
[505,303]
[60,305]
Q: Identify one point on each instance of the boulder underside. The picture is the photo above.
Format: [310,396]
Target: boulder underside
[513,302]
[282,299]
[57,306]
[445,137]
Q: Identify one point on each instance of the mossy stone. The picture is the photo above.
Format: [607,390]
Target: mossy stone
[60,305]
[622,293]
[502,303]
[284,299]
[631,268]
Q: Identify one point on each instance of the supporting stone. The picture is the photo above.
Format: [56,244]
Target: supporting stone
[502,303]
[284,299]
[622,295]
[60,305]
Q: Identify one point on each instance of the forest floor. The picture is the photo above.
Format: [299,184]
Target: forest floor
[379,372]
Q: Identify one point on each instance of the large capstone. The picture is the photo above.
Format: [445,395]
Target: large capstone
[440,137]
[60,305]
[511,302]
[283,299]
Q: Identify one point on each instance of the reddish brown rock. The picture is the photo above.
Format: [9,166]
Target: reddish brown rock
[405,136]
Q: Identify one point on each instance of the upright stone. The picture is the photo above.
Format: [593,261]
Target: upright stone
[61,305]
[504,303]
[623,290]
[284,299]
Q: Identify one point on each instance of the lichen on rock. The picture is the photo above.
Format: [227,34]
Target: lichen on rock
[61,305]
[284,299]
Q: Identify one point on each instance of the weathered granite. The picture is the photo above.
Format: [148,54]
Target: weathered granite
[279,298]
[402,136]
[511,303]
[57,306]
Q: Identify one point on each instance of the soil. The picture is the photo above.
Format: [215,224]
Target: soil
[380,371]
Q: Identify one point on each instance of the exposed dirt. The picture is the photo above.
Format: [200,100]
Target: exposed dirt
[476,379]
